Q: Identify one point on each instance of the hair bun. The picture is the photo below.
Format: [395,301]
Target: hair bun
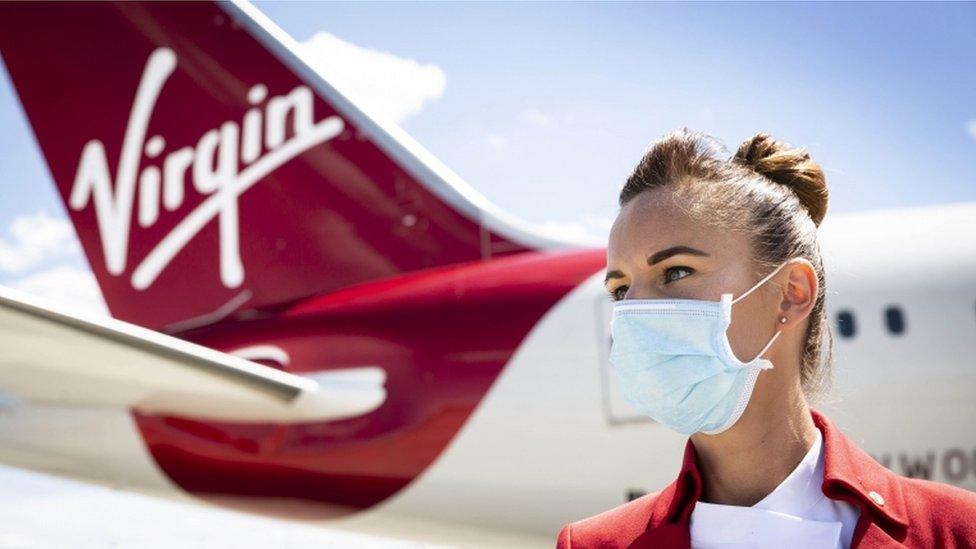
[788,166]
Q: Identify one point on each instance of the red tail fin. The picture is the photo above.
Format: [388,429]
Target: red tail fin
[208,170]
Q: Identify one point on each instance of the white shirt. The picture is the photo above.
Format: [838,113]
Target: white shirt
[796,514]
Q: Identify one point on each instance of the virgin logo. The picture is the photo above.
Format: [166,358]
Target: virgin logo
[225,163]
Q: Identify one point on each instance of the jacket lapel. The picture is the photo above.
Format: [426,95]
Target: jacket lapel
[675,536]
[668,522]
[850,474]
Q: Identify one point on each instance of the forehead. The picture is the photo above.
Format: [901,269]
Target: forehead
[659,218]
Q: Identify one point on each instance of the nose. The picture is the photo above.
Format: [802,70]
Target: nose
[641,290]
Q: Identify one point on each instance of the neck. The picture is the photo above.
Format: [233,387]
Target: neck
[743,464]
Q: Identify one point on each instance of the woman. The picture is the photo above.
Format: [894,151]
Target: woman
[695,235]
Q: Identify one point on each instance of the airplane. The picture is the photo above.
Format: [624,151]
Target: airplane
[315,319]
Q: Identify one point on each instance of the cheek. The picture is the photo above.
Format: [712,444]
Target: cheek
[753,324]
[745,334]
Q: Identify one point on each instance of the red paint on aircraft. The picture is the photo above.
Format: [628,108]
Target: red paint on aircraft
[442,337]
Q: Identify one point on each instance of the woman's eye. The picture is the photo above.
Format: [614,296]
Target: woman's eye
[617,293]
[668,273]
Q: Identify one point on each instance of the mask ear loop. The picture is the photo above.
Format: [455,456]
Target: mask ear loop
[761,282]
[770,342]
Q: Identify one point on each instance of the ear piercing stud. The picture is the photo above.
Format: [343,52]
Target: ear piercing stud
[782,320]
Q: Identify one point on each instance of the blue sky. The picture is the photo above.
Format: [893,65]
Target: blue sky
[544,108]
[880,94]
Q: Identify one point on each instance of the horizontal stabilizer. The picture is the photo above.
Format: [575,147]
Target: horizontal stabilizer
[61,358]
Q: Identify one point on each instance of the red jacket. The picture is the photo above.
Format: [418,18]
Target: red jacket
[896,511]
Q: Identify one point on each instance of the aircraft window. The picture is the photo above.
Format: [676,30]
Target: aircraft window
[845,323]
[894,320]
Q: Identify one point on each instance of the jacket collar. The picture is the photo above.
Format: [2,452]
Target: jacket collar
[850,474]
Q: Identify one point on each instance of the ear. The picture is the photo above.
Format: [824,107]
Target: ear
[800,289]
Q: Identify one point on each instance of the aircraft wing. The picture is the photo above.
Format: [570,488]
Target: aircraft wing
[64,358]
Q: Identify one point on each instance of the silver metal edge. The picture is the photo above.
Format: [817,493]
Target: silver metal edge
[281,385]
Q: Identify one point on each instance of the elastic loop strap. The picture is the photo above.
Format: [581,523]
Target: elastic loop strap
[760,283]
[766,348]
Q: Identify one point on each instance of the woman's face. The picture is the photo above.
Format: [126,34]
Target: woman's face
[657,251]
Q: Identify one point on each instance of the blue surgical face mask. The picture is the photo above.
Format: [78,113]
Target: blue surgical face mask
[674,362]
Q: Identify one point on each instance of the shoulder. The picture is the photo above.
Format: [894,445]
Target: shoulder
[611,528]
[947,511]
[938,500]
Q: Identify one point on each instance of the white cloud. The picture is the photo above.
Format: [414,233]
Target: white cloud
[66,286]
[496,141]
[971,128]
[35,239]
[46,247]
[537,118]
[387,85]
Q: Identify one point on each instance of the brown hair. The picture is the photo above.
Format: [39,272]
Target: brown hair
[768,190]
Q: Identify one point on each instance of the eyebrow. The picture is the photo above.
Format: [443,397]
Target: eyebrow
[659,257]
